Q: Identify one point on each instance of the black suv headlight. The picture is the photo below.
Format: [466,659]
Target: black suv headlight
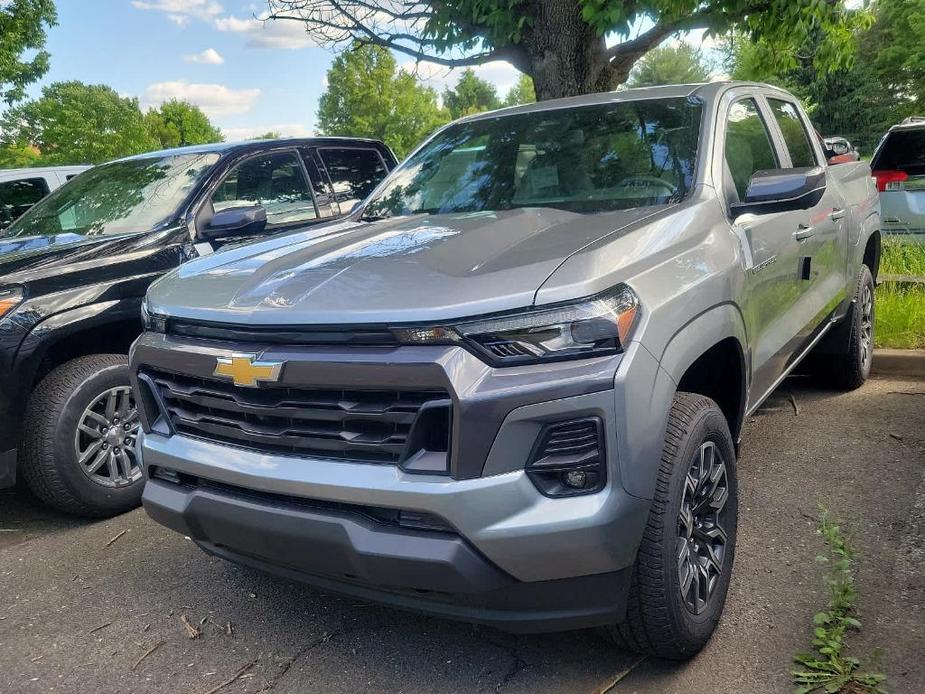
[10,298]
[590,327]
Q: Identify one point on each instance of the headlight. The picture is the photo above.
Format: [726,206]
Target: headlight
[9,300]
[152,322]
[592,327]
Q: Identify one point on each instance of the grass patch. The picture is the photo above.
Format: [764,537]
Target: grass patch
[826,668]
[902,258]
[901,306]
[900,316]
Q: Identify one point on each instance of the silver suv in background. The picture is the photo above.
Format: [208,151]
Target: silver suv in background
[899,166]
[510,387]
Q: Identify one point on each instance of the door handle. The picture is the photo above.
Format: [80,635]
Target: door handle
[803,232]
[837,214]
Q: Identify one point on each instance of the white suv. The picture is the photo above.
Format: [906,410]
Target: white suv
[20,189]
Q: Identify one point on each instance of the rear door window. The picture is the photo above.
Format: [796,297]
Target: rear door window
[748,144]
[276,182]
[794,131]
[902,150]
[354,173]
[18,196]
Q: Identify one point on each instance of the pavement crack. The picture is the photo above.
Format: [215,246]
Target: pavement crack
[300,653]
[518,664]
[272,681]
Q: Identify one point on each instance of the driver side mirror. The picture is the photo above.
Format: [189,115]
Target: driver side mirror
[782,190]
[236,221]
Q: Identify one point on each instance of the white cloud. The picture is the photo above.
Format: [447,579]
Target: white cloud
[267,34]
[180,12]
[501,74]
[250,132]
[213,99]
[209,56]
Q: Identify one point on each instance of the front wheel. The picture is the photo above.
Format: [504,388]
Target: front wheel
[683,567]
[78,450]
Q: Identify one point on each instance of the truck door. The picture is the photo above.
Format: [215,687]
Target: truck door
[275,181]
[820,236]
[770,252]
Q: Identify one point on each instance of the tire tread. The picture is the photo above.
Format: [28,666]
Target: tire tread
[38,463]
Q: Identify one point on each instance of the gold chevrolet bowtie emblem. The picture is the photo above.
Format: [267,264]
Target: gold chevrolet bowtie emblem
[246,371]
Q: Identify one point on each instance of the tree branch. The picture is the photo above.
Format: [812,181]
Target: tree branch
[338,22]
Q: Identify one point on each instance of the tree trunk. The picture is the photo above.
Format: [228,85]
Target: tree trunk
[566,57]
[565,54]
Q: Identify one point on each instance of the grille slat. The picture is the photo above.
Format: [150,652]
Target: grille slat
[348,424]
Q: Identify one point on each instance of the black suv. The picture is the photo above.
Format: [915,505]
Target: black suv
[74,270]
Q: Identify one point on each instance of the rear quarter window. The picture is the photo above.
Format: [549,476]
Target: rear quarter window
[354,173]
[902,150]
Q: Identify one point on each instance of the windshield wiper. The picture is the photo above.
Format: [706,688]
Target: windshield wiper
[374,217]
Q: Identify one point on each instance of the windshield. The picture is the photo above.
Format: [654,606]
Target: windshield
[587,159]
[134,195]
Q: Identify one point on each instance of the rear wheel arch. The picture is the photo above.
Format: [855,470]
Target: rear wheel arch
[872,251]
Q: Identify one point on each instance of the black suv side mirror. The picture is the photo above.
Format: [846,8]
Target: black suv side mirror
[236,221]
[782,190]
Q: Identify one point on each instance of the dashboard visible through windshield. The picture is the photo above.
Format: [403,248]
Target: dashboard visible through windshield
[589,159]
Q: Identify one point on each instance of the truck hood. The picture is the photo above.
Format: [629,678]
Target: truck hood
[71,259]
[417,268]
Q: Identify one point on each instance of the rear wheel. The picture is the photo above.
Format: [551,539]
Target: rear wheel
[78,451]
[683,567]
[849,367]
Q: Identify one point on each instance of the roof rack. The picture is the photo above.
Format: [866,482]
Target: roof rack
[913,119]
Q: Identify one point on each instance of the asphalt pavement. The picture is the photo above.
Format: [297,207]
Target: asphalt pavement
[100,606]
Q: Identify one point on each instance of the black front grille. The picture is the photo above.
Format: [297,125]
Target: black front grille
[363,425]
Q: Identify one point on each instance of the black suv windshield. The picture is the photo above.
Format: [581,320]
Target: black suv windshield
[127,196]
[588,159]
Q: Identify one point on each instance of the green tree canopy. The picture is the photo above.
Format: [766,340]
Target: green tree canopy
[14,156]
[877,88]
[22,32]
[368,96]
[674,64]
[562,44]
[521,93]
[77,123]
[268,135]
[179,123]
[470,95]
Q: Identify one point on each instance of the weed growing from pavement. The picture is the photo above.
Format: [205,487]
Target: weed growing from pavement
[826,668]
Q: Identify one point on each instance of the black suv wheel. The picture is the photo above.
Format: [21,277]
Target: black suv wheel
[78,450]
[679,583]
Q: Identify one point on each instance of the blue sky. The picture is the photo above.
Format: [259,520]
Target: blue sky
[248,76]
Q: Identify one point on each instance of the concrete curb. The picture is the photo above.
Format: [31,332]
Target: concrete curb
[899,362]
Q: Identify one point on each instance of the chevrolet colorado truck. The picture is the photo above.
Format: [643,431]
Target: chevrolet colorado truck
[509,388]
[75,267]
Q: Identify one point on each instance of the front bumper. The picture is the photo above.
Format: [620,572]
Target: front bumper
[513,558]
[432,572]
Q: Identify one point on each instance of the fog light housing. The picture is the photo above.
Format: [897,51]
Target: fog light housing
[568,458]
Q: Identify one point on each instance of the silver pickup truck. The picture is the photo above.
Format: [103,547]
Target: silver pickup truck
[510,387]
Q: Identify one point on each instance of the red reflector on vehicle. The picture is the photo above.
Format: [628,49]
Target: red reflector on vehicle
[889,179]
